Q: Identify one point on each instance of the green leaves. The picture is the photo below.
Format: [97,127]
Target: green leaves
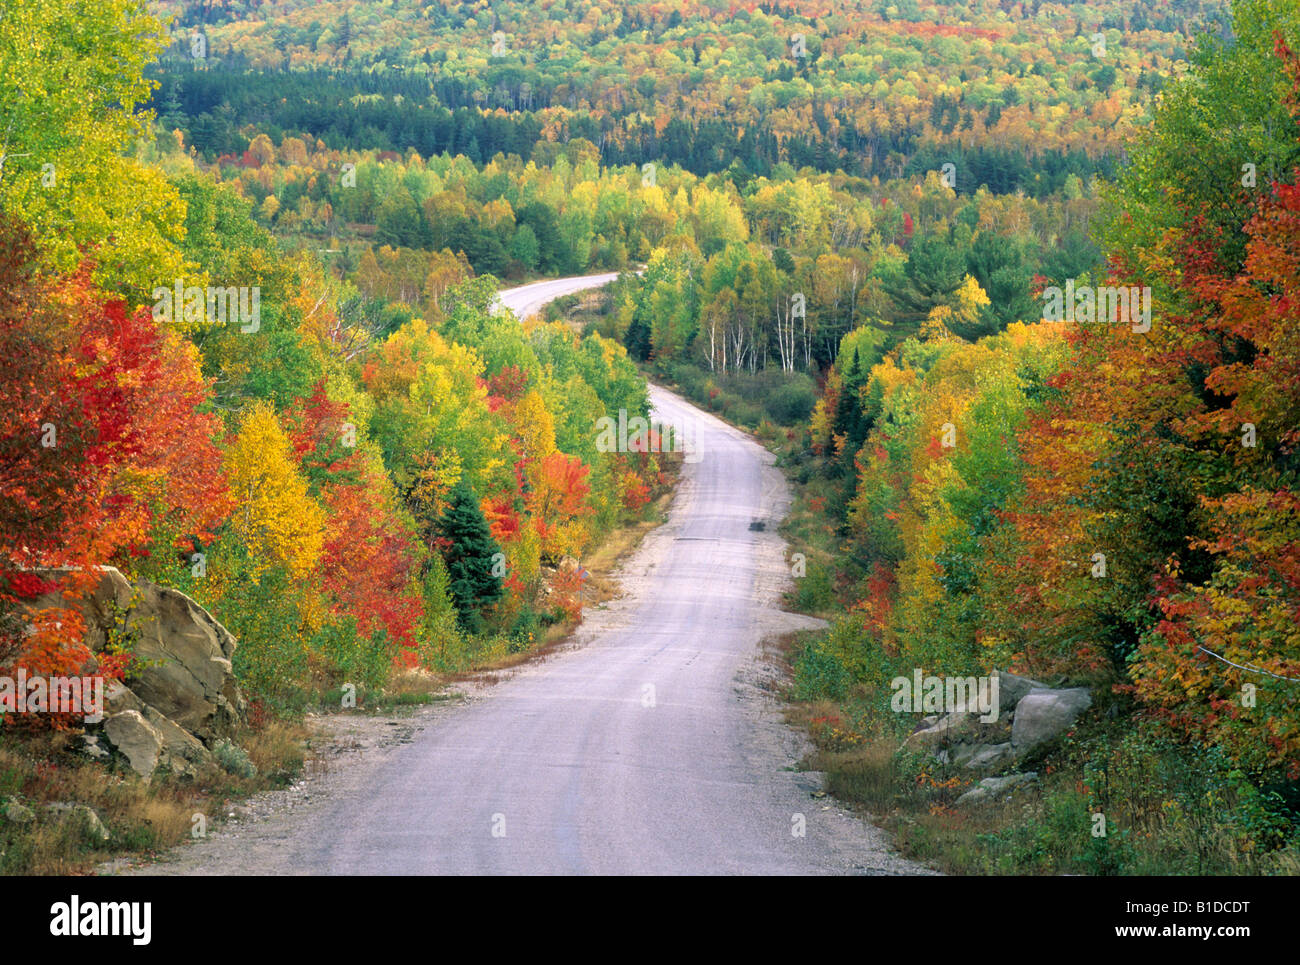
[71,83]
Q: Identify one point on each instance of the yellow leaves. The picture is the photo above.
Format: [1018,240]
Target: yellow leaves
[261,150]
[963,309]
[526,555]
[276,518]
[970,298]
[585,194]
[535,427]
[434,385]
[1024,335]
[891,377]
[71,85]
[823,416]
[496,213]
[435,475]
[653,198]
[935,327]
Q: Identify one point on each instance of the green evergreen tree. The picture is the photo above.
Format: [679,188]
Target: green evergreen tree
[469,558]
[849,417]
[846,407]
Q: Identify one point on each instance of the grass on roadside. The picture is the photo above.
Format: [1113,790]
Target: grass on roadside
[1168,808]
[141,816]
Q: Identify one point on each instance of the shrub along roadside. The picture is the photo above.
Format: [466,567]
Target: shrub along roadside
[752,401]
[1172,806]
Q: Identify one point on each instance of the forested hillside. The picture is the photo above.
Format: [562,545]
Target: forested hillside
[872,89]
[347,485]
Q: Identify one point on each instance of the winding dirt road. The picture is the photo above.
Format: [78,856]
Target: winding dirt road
[530,299]
[651,744]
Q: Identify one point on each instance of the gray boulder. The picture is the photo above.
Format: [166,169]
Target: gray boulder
[948,730]
[1012,688]
[1042,715]
[118,697]
[989,757]
[186,673]
[188,677]
[181,750]
[993,787]
[93,747]
[137,740]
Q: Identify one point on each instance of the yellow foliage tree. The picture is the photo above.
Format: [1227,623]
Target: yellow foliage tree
[535,428]
[276,518]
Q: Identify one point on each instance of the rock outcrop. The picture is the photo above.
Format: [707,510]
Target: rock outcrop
[135,739]
[182,697]
[1030,716]
[1043,714]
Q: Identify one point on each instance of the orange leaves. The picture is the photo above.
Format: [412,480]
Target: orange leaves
[566,589]
[633,492]
[1247,613]
[503,518]
[367,564]
[1196,426]
[558,504]
[104,416]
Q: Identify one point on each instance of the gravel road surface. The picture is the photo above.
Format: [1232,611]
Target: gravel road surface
[652,743]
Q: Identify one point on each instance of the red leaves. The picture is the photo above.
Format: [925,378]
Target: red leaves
[102,434]
[559,494]
[509,384]
[503,519]
[634,492]
[368,564]
[27,586]
[103,424]
[566,587]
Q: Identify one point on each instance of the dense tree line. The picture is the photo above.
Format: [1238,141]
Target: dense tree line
[212,107]
[864,89]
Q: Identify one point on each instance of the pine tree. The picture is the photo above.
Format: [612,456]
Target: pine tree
[846,410]
[469,557]
[849,417]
